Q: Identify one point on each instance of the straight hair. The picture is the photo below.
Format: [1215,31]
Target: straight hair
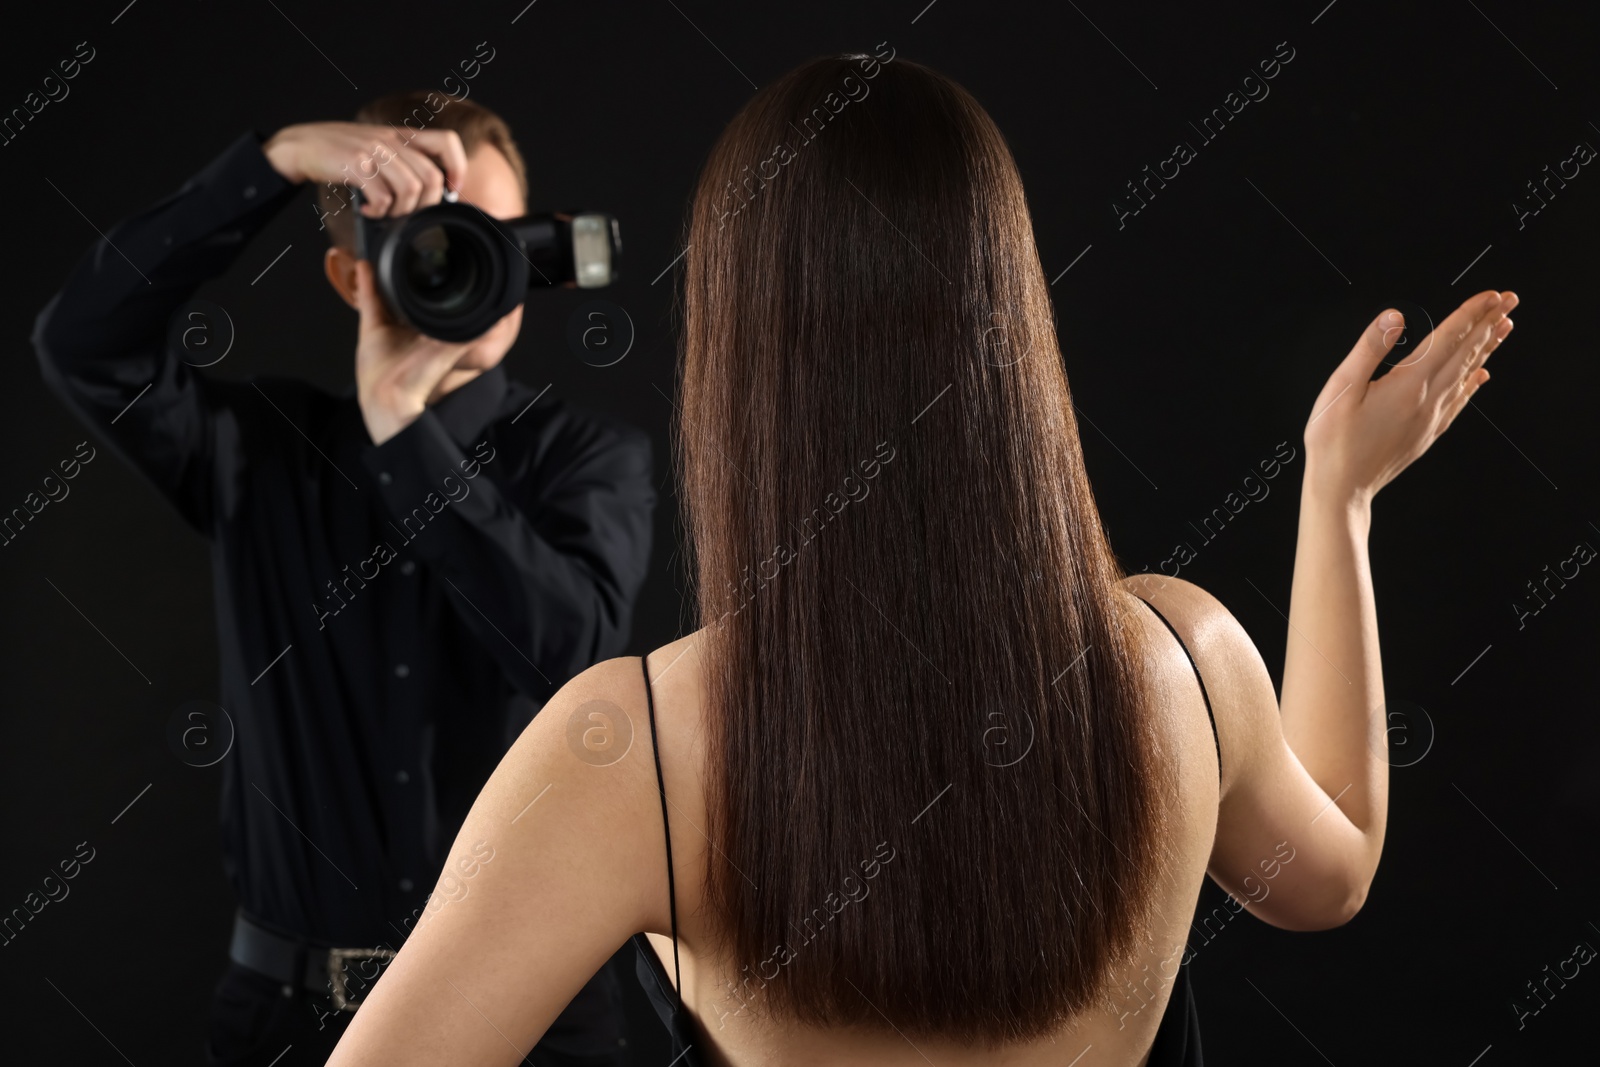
[942,671]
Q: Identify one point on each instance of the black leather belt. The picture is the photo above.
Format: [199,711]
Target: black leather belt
[334,972]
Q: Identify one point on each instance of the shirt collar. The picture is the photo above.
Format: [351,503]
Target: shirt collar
[467,409]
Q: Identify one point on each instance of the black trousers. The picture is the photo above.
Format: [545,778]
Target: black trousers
[255,1023]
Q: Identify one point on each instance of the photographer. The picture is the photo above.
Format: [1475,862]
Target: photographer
[404,571]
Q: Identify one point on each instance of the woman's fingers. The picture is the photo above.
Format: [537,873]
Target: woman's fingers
[1451,351]
[1460,366]
[1458,400]
[1474,374]
[1377,428]
[1500,326]
[1445,337]
[1355,371]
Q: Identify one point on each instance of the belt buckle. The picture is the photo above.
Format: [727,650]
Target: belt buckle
[336,963]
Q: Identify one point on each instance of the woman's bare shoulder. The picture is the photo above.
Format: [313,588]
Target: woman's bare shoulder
[1176,598]
[1238,686]
[1208,629]
[677,692]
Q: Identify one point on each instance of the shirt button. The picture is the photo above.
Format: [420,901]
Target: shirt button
[167,240]
[401,670]
[287,990]
[408,567]
[405,885]
[383,478]
[402,777]
[249,191]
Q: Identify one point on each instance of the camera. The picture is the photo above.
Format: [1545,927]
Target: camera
[451,271]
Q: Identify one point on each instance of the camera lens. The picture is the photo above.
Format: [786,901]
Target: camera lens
[446,269]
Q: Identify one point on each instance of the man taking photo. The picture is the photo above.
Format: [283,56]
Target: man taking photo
[404,571]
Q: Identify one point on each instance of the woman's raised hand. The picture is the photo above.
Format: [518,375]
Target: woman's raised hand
[1362,433]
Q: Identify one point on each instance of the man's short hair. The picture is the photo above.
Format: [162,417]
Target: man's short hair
[408,112]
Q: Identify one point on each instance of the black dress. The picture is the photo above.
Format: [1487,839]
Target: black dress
[1177,1042]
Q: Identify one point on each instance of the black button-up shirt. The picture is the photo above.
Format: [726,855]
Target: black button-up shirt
[390,615]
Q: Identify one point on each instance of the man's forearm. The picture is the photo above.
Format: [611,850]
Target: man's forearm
[126,290]
[102,343]
[1332,702]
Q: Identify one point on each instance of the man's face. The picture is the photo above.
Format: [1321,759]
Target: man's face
[491,185]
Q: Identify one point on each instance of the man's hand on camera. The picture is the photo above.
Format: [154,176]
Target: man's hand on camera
[397,174]
[397,368]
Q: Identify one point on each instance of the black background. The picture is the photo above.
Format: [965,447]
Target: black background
[1384,162]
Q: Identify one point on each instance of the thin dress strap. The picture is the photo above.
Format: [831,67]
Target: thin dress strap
[672,891]
[1206,696]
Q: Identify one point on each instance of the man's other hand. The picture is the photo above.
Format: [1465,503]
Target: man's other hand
[397,368]
[396,174]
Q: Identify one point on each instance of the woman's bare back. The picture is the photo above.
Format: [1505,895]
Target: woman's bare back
[1117,1035]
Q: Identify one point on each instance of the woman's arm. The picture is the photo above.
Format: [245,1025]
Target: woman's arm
[1305,793]
[1332,706]
[558,863]
[1360,436]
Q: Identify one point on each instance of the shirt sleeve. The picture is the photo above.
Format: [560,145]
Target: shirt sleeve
[102,340]
[542,564]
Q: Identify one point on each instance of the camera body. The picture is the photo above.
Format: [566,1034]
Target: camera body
[451,271]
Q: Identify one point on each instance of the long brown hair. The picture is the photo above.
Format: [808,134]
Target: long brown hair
[934,793]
